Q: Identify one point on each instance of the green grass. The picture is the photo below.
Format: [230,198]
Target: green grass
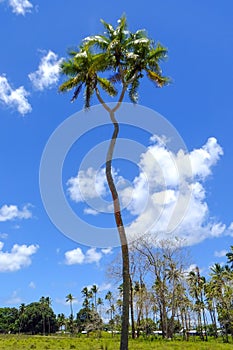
[22,342]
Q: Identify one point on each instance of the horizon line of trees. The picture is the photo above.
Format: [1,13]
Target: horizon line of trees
[165,298]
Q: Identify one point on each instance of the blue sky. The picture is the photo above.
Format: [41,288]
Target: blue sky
[35,257]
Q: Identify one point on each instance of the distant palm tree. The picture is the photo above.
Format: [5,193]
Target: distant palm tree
[230,256]
[43,306]
[87,294]
[48,302]
[222,289]
[22,309]
[111,309]
[70,299]
[94,290]
[100,303]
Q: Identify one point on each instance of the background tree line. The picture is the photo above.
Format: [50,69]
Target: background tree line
[165,298]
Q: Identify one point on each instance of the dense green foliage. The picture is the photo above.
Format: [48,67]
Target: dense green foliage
[35,318]
[8,320]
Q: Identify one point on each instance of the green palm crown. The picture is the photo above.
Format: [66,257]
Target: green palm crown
[123,55]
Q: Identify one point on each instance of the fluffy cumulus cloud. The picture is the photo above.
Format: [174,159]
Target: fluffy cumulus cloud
[20,7]
[47,74]
[167,197]
[18,258]
[76,256]
[12,212]
[14,98]
[177,203]
[87,185]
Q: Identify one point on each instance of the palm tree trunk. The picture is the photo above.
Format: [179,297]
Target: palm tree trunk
[123,239]
[118,220]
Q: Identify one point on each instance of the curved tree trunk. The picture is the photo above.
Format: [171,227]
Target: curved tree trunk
[118,220]
[122,235]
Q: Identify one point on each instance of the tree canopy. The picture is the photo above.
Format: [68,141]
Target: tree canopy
[117,56]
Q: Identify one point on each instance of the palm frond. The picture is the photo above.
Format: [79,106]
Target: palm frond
[120,31]
[140,41]
[99,41]
[69,84]
[108,26]
[87,96]
[133,90]
[157,78]
[76,92]
[107,86]
[69,68]
[140,33]
[100,62]
[158,53]
[81,54]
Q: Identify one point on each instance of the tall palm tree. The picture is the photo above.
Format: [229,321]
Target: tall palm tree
[69,299]
[22,309]
[221,282]
[94,290]
[128,55]
[211,305]
[43,306]
[48,302]
[194,290]
[87,294]
[100,303]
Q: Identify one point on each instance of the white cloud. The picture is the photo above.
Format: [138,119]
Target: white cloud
[90,211]
[167,197]
[48,72]
[220,253]
[32,285]
[3,235]
[16,99]
[180,208]
[106,251]
[21,7]
[92,256]
[88,184]
[18,258]
[12,212]
[203,159]
[105,286]
[76,256]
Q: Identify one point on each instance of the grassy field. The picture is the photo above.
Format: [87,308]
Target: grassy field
[82,343]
